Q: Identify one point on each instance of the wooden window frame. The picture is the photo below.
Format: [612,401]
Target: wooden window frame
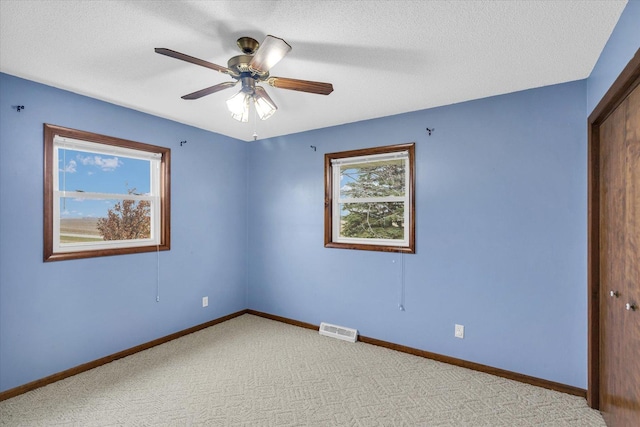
[329,240]
[163,227]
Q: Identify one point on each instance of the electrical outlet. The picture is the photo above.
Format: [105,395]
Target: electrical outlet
[205,301]
[459,331]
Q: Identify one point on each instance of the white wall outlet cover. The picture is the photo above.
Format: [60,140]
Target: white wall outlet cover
[459,332]
[205,301]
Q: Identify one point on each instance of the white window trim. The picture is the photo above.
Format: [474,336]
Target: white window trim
[62,143]
[336,165]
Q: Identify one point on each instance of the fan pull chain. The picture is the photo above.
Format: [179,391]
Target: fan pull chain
[255,123]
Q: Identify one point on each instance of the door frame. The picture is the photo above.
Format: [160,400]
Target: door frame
[619,90]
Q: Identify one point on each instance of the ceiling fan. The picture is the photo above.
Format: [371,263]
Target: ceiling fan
[250,68]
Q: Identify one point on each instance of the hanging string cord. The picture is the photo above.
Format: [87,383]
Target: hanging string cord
[64,176]
[158,273]
[402,283]
[157,236]
[255,123]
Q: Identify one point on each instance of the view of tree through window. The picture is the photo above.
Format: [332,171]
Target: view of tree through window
[369,197]
[127,220]
[374,219]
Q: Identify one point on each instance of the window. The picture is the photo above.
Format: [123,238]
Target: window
[103,195]
[369,202]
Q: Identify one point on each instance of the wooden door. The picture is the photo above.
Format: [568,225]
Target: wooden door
[615,254]
[620,264]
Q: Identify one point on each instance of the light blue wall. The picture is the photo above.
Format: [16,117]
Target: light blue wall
[623,43]
[500,234]
[57,315]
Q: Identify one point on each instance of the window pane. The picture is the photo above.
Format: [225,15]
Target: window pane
[372,220]
[100,173]
[374,179]
[83,220]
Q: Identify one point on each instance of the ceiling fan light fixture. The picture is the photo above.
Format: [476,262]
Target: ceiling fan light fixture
[265,107]
[271,51]
[238,105]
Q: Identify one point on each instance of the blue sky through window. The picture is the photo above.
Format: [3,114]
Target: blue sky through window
[99,173]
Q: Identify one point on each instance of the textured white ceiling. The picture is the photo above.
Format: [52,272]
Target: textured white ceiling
[383,57]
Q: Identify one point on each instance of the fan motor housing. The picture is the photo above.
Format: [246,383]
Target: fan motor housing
[241,63]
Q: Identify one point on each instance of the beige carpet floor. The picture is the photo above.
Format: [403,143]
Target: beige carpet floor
[251,371]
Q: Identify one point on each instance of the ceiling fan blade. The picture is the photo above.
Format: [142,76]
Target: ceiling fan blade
[193,60]
[209,90]
[301,85]
[270,52]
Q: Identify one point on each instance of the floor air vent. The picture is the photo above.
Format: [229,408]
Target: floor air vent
[339,332]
